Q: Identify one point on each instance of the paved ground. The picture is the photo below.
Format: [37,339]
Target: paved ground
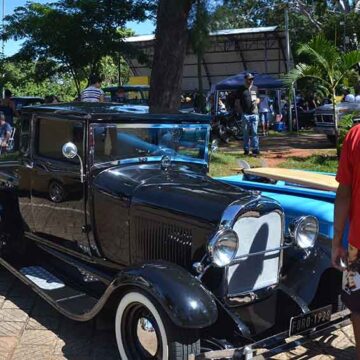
[31,330]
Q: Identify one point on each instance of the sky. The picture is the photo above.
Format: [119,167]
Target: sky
[11,47]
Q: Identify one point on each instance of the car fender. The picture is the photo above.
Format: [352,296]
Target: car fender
[183,297]
[304,277]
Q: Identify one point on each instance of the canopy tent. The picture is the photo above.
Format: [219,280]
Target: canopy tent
[229,52]
[262,81]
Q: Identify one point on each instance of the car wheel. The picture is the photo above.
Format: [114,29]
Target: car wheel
[57,192]
[144,331]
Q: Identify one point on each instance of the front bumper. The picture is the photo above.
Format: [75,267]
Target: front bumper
[278,343]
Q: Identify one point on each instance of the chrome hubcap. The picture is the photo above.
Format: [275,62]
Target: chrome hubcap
[147,336]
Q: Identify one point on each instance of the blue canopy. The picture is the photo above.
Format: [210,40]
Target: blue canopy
[262,81]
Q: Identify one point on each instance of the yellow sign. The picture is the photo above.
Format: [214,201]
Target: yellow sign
[139,80]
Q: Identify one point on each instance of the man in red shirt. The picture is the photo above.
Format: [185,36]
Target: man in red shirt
[347,207]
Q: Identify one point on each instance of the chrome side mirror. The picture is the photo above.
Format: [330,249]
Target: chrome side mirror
[70,151]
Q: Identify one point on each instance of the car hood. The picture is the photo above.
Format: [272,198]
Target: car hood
[341,106]
[178,190]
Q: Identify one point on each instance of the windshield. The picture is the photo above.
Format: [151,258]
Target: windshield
[141,142]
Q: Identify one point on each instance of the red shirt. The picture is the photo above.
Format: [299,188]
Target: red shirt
[349,174]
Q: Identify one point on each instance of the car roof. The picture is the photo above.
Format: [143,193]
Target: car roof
[127,88]
[27,98]
[112,112]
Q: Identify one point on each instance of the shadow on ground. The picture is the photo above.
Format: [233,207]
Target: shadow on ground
[32,329]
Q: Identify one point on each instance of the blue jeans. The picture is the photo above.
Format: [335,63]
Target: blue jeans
[250,127]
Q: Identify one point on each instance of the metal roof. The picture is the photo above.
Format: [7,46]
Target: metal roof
[112,112]
[230,52]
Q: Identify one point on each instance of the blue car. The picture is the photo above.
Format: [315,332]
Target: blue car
[296,200]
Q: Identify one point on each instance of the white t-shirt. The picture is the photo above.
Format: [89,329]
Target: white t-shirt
[357,98]
[91,94]
[264,104]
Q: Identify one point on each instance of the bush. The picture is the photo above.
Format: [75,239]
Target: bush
[345,124]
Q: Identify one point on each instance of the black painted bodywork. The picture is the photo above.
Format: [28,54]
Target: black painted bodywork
[141,225]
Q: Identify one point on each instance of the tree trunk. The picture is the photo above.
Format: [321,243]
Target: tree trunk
[335,116]
[169,54]
[201,87]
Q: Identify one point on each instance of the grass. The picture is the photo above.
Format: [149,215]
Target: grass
[223,163]
[323,163]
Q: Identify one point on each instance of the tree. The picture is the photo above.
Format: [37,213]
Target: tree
[74,34]
[199,38]
[169,54]
[325,64]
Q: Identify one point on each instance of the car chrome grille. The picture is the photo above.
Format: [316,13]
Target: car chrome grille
[156,240]
[256,235]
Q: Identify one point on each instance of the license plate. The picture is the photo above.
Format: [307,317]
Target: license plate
[301,323]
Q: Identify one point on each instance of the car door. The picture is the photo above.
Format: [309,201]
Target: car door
[57,194]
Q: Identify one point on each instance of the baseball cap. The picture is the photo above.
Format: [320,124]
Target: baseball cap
[249,76]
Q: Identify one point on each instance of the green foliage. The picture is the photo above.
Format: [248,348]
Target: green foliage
[323,163]
[324,63]
[223,163]
[21,78]
[74,35]
[345,124]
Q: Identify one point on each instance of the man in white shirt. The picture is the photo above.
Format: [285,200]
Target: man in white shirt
[93,92]
[264,111]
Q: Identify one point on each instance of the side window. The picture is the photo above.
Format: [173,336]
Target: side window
[9,141]
[53,134]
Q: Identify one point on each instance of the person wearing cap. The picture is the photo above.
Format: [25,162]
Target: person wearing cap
[5,132]
[250,115]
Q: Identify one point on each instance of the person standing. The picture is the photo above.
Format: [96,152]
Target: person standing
[347,207]
[264,111]
[250,115]
[8,108]
[93,92]
[5,132]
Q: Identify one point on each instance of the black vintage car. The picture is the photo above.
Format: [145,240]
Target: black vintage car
[105,209]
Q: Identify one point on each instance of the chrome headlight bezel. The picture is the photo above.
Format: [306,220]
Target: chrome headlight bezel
[223,246]
[304,231]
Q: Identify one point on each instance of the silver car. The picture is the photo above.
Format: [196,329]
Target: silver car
[324,117]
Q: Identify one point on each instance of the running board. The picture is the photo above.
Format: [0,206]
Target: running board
[75,300]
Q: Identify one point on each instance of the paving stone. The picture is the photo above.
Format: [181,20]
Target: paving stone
[7,346]
[13,315]
[38,337]
[11,328]
[30,352]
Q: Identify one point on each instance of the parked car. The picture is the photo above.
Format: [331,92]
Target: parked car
[324,117]
[21,101]
[187,263]
[133,94]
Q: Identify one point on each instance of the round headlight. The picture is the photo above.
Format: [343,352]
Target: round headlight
[305,231]
[223,247]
